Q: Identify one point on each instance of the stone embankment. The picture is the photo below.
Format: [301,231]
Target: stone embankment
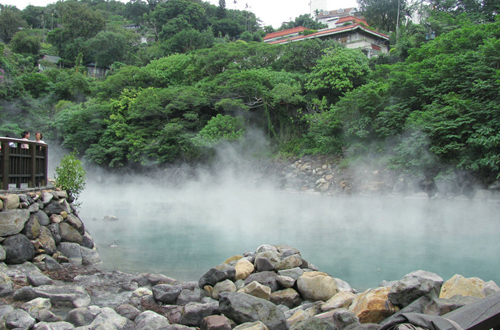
[49,280]
[323,175]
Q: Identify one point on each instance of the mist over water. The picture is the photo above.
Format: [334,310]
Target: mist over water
[183,231]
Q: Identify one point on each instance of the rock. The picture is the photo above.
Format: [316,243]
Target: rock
[46,240]
[257,325]
[287,297]
[266,261]
[417,306]
[373,305]
[3,254]
[69,234]
[18,249]
[31,228]
[290,262]
[342,318]
[342,299]
[89,256]
[87,241]
[159,279]
[61,194]
[56,234]
[46,197]
[45,315]
[490,287]
[314,324]
[215,322]
[11,201]
[80,316]
[56,218]
[257,290]
[53,326]
[37,279]
[150,320]
[1,204]
[294,273]
[41,217]
[33,208]
[266,247]
[72,251]
[243,269]
[34,306]
[128,311]
[12,221]
[217,274]
[242,308]
[441,306]
[415,285]
[189,295]
[57,207]
[461,286]
[66,295]
[76,223]
[51,264]
[19,319]
[285,281]
[224,286]
[194,313]
[316,286]
[266,278]
[302,313]
[110,320]
[166,293]
[6,285]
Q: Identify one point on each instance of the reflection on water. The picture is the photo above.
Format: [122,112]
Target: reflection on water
[182,233]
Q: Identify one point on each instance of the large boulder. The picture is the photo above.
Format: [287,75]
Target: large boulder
[11,201]
[46,240]
[69,233]
[19,319]
[31,228]
[73,251]
[18,249]
[57,207]
[194,313]
[74,221]
[110,320]
[316,286]
[266,278]
[415,285]
[242,308]
[65,295]
[461,286]
[12,221]
[41,217]
[166,293]
[373,305]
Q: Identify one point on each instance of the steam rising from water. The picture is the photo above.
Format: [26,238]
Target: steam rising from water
[183,231]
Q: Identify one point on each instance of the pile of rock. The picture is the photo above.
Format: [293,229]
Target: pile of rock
[44,228]
[271,288]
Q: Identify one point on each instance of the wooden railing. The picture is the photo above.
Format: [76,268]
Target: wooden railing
[23,164]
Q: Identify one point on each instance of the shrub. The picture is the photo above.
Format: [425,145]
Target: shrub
[71,176]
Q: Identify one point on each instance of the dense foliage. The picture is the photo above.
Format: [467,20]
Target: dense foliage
[186,75]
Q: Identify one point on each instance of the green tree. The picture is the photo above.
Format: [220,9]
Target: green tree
[222,128]
[383,14]
[107,47]
[11,22]
[338,71]
[71,176]
[24,43]
[304,20]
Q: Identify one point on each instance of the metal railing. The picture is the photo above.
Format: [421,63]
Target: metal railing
[23,164]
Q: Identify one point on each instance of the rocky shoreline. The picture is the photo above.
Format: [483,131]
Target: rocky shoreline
[50,279]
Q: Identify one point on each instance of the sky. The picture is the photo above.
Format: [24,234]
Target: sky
[271,12]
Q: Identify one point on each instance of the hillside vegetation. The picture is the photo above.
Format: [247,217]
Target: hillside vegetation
[186,75]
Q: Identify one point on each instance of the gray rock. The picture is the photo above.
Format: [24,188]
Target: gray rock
[186,296]
[3,254]
[18,249]
[343,318]
[66,295]
[61,325]
[69,233]
[194,313]
[440,306]
[37,279]
[128,311]
[216,274]
[76,223]
[80,317]
[41,217]
[87,241]
[56,234]
[72,251]
[108,319]
[293,273]
[242,308]
[47,197]
[89,256]
[46,240]
[6,285]
[288,297]
[51,264]
[46,315]
[19,319]
[166,293]
[314,324]
[415,285]
[56,207]
[150,320]
[5,309]
[265,278]
[266,260]
[12,221]
[33,208]
[36,307]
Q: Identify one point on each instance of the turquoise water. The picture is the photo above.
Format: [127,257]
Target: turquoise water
[184,232]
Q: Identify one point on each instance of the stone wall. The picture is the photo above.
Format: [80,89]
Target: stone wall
[44,228]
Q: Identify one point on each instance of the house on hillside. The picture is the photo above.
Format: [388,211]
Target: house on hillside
[95,71]
[352,31]
[332,17]
[49,61]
